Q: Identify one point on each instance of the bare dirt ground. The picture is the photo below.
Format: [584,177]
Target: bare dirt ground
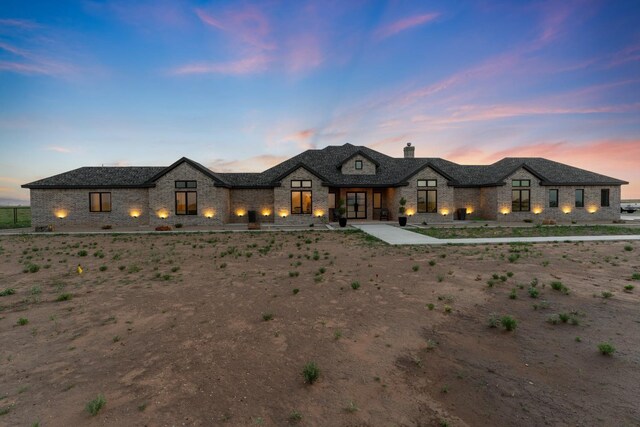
[171,330]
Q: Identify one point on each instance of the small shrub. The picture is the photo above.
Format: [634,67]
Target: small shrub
[351,407]
[534,292]
[310,372]
[355,285]
[628,288]
[628,248]
[508,323]
[431,306]
[295,416]
[564,317]
[432,263]
[494,320]
[22,321]
[94,406]
[337,335]
[82,253]
[606,294]
[64,297]
[107,227]
[7,292]
[295,291]
[635,276]
[31,268]
[267,316]
[513,294]
[558,286]
[415,267]
[447,308]
[554,319]
[178,225]
[294,273]
[514,257]
[606,349]
[103,268]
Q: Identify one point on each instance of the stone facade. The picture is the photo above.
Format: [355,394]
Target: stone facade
[282,200]
[349,167]
[445,198]
[213,202]
[71,207]
[244,200]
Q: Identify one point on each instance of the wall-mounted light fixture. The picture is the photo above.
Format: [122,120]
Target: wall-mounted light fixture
[61,213]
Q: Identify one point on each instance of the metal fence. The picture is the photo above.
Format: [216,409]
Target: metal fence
[15,216]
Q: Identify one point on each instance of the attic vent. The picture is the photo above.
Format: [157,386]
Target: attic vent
[409,151]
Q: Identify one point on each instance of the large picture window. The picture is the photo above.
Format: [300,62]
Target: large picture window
[427,201]
[553,198]
[100,202]
[301,202]
[186,203]
[580,198]
[520,201]
[604,197]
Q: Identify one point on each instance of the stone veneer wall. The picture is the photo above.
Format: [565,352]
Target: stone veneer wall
[468,198]
[282,200]
[244,200]
[47,205]
[488,203]
[566,202]
[445,201]
[349,167]
[211,199]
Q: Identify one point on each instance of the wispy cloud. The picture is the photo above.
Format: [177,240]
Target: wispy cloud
[246,24]
[404,24]
[59,149]
[249,65]
[251,164]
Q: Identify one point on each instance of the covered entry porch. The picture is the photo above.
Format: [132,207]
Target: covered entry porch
[363,203]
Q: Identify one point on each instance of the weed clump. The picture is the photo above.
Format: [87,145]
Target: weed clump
[606,349]
[94,406]
[311,372]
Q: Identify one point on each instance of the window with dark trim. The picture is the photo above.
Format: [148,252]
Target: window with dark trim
[427,183]
[186,203]
[604,197]
[427,201]
[358,164]
[301,183]
[301,202]
[580,198]
[520,201]
[186,184]
[553,198]
[99,202]
[521,183]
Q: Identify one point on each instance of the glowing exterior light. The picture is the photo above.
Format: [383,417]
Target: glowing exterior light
[410,212]
[208,214]
[266,212]
[505,211]
[593,209]
[283,214]
[444,212]
[319,213]
[567,211]
[135,213]
[240,212]
[469,210]
[537,211]
[61,213]
[162,214]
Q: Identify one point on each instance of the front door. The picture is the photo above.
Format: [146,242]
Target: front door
[357,205]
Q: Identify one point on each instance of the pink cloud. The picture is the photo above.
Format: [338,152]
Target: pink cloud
[404,24]
[251,164]
[249,65]
[303,53]
[248,25]
[301,138]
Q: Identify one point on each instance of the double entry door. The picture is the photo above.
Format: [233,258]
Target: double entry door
[357,205]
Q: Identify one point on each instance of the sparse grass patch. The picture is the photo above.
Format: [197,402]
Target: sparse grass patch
[310,372]
[23,321]
[267,316]
[355,285]
[628,288]
[606,294]
[64,297]
[606,349]
[558,286]
[635,276]
[295,416]
[416,267]
[7,292]
[94,406]
[508,323]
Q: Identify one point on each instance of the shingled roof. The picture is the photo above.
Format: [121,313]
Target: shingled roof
[325,164]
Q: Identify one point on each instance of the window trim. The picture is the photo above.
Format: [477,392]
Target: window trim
[100,198]
[576,198]
[301,202]
[520,190]
[186,203]
[301,183]
[606,191]
[520,183]
[426,201]
[186,183]
[426,183]
[359,162]
[557,197]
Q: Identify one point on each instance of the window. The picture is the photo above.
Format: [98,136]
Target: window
[99,202]
[186,184]
[301,202]
[297,183]
[580,198]
[427,201]
[358,164]
[377,200]
[427,183]
[520,200]
[604,197]
[521,183]
[553,198]
[186,203]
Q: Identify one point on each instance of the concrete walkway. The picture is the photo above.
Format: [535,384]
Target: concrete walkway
[401,236]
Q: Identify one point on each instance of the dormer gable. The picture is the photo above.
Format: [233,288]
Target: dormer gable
[358,164]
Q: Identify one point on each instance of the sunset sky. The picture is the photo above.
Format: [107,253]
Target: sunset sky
[241,86]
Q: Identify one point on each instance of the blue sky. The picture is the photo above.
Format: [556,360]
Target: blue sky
[240,86]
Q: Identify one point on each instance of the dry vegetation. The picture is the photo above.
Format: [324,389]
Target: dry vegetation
[316,328]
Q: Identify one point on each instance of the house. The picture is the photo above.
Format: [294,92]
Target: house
[306,188]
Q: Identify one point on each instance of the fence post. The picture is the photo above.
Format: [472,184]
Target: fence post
[15,215]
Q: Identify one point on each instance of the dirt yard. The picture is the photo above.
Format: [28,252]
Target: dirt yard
[215,329]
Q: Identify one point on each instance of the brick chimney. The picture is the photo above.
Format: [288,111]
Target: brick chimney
[409,151]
